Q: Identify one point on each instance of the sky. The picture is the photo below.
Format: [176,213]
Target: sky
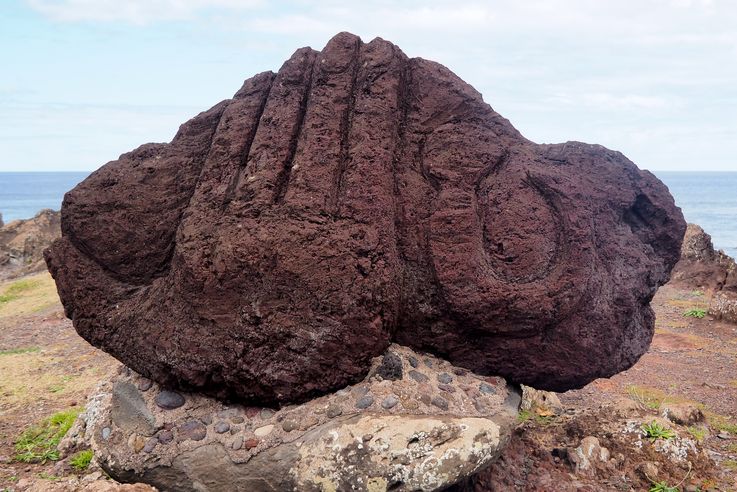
[83,81]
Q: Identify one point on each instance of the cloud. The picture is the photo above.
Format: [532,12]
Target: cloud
[139,12]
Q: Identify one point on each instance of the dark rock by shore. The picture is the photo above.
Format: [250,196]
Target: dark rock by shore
[22,243]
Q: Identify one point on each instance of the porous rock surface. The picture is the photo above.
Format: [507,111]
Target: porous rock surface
[412,432]
[23,241]
[355,198]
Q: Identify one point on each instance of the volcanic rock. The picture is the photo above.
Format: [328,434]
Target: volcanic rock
[703,267]
[22,243]
[396,447]
[358,197]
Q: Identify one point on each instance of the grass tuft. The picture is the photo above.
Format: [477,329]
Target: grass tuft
[37,444]
[81,461]
[655,431]
[695,313]
[21,350]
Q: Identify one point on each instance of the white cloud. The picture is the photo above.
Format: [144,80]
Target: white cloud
[132,11]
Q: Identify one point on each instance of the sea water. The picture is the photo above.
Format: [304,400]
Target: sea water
[706,198]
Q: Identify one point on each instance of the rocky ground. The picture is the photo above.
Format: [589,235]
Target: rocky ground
[46,368]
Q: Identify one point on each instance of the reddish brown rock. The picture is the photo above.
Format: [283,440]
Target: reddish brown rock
[358,197]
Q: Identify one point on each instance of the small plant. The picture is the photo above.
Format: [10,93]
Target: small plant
[697,293]
[648,397]
[81,460]
[655,431]
[721,422]
[38,443]
[524,416]
[695,313]
[663,486]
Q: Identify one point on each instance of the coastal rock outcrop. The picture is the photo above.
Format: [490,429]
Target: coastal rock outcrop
[429,427]
[22,243]
[356,198]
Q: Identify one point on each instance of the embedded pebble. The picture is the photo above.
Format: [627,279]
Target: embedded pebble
[418,376]
[169,400]
[445,378]
[165,436]
[251,443]
[193,429]
[266,414]
[413,361]
[428,362]
[145,384]
[251,412]
[424,398]
[334,410]
[447,387]
[264,431]
[222,427]
[206,419]
[390,367]
[440,402]
[136,442]
[237,419]
[359,391]
[150,445]
[458,371]
[389,402]
[106,433]
[289,425]
[410,404]
[487,389]
[238,443]
[365,401]
[308,422]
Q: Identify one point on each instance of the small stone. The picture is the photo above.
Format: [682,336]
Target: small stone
[309,422]
[365,402]
[206,419]
[251,412]
[264,431]
[424,398]
[266,414]
[169,400]
[724,435]
[106,431]
[390,367]
[458,371]
[447,387]
[237,419]
[334,410]
[289,425]
[445,378]
[389,402]
[367,437]
[487,389]
[251,443]
[238,443]
[418,376]
[427,361]
[150,445]
[440,402]
[193,429]
[413,361]
[165,436]
[136,442]
[145,384]
[359,391]
[222,427]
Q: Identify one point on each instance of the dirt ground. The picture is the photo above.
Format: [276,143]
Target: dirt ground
[45,367]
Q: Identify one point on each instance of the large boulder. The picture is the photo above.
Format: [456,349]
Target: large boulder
[23,241]
[703,267]
[416,423]
[355,198]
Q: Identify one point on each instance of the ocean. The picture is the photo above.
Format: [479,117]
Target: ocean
[706,198]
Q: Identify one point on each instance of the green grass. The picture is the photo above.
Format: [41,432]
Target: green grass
[695,313]
[81,460]
[698,433]
[524,416]
[697,293]
[721,423]
[38,443]
[655,431]
[22,350]
[650,397]
[730,464]
[14,290]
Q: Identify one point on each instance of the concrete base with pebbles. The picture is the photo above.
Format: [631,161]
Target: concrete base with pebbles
[415,423]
